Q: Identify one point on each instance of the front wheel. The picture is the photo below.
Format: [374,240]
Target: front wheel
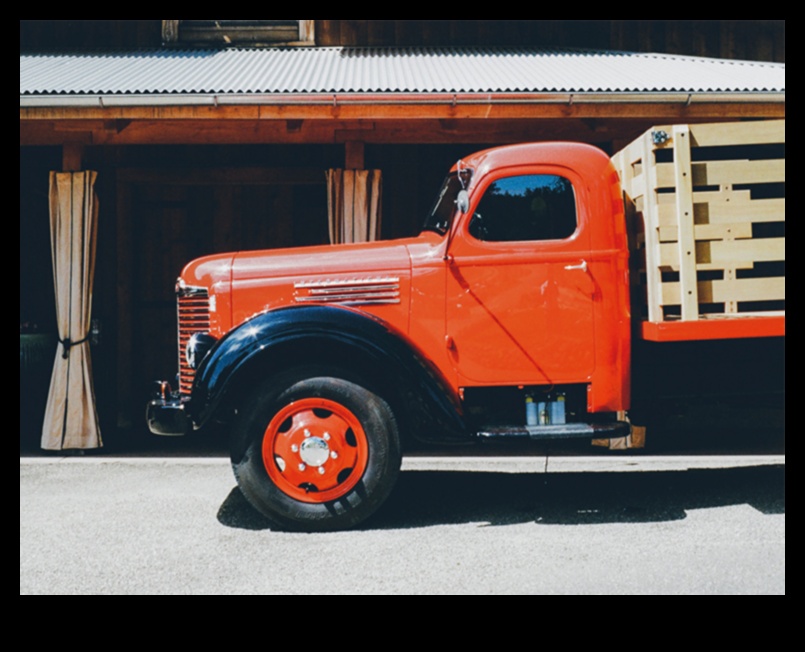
[315,453]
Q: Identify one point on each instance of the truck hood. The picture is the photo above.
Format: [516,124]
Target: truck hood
[306,262]
[372,276]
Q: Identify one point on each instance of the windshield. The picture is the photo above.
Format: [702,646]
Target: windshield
[445,205]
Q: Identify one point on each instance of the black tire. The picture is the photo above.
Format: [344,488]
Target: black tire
[315,452]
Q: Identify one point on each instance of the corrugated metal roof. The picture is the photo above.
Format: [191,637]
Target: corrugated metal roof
[389,70]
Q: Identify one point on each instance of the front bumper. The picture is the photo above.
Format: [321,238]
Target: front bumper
[166,414]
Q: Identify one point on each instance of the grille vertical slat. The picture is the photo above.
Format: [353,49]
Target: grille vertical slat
[193,316]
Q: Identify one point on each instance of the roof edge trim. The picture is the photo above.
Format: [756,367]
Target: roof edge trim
[335,99]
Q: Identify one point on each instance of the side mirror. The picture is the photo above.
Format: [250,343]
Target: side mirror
[463,201]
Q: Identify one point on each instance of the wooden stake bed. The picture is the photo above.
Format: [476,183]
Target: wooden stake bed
[706,210]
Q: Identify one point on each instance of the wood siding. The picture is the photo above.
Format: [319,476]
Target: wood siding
[55,35]
[756,40]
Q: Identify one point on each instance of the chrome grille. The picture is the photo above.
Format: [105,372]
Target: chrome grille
[193,316]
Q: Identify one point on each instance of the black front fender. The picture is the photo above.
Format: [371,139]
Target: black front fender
[277,340]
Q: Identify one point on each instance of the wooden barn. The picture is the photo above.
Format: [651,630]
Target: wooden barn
[157,141]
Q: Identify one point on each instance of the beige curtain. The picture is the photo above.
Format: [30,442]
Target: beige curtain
[353,204]
[71,420]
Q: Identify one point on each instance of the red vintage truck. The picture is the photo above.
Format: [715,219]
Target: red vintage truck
[548,281]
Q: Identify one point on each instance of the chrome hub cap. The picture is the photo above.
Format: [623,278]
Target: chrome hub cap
[314,451]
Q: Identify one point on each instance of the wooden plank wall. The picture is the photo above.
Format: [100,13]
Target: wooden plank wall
[50,35]
[762,40]
[758,40]
[167,218]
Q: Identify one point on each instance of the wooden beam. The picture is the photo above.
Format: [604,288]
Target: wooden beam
[116,125]
[385,131]
[319,110]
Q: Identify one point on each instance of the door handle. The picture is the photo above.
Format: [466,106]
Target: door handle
[581,266]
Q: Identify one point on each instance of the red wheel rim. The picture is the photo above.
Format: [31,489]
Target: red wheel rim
[315,450]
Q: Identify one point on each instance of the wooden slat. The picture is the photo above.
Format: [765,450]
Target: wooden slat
[737,230]
[710,196]
[720,254]
[747,289]
[738,209]
[713,173]
[758,133]
[728,252]
[737,172]
[758,210]
[734,133]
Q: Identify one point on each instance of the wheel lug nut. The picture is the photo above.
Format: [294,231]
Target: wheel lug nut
[301,467]
[334,455]
[307,432]
[294,448]
[321,470]
[326,436]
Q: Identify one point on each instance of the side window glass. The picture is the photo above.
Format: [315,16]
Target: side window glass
[526,207]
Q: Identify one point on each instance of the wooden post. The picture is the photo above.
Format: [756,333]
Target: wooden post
[71,155]
[170,31]
[307,31]
[651,222]
[353,155]
[684,211]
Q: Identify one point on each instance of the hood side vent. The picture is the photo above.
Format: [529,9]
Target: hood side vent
[350,292]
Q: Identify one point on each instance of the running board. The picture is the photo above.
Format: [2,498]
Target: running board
[557,431]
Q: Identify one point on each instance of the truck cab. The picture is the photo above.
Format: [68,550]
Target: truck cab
[514,298]
[536,282]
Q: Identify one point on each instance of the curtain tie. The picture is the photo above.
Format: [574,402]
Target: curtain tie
[67,344]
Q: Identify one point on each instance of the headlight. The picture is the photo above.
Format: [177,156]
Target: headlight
[197,347]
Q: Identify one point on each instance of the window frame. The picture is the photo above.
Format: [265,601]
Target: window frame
[511,174]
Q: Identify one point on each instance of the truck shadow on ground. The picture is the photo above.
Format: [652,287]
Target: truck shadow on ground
[427,498]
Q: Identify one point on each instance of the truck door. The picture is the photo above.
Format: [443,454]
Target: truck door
[519,292]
